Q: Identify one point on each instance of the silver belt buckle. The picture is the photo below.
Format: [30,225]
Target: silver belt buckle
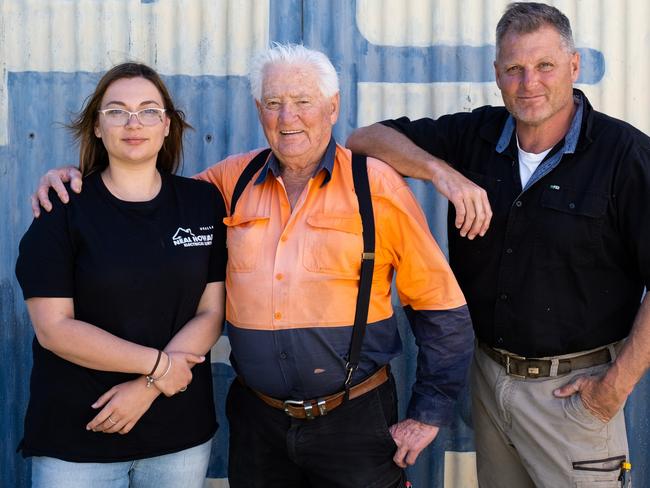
[299,403]
[510,373]
[322,407]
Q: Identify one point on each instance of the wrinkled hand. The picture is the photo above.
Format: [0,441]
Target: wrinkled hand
[473,211]
[411,437]
[55,178]
[125,404]
[599,397]
[180,373]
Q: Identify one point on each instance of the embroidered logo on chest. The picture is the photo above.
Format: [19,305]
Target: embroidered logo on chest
[187,238]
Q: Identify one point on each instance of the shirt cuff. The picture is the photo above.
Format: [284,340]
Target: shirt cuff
[436,410]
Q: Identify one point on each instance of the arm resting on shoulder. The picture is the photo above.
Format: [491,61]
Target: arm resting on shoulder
[55,178]
[473,211]
[396,149]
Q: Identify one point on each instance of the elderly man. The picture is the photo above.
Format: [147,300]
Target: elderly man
[300,413]
[555,285]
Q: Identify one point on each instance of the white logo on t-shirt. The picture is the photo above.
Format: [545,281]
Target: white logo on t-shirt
[187,238]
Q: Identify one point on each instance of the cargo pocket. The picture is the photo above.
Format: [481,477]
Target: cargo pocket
[598,473]
[596,483]
[243,240]
[333,244]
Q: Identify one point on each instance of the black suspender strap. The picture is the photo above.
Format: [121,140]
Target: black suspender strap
[362,190]
[247,175]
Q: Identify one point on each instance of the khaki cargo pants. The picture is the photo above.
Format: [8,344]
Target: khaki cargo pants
[526,437]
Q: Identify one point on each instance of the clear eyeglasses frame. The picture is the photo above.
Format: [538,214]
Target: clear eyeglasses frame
[146,116]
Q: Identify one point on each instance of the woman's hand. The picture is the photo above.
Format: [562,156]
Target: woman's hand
[179,375]
[123,404]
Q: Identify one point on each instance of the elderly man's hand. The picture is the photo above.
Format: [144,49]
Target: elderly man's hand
[55,178]
[473,211]
[411,437]
[597,395]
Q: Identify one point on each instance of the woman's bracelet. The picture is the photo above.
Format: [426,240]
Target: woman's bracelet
[151,379]
[155,366]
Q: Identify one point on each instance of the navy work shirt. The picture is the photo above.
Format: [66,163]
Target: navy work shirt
[564,263]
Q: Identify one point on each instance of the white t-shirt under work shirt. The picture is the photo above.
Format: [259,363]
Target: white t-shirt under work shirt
[528,163]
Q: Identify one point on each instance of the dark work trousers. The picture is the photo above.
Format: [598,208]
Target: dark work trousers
[349,447]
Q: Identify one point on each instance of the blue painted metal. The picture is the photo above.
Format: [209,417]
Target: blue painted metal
[225,121]
[332,28]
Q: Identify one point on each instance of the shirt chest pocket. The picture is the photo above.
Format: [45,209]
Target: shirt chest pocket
[333,244]
[569,227]
[244,239]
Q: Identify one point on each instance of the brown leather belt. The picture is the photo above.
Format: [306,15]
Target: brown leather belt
[310,409]
[521,367]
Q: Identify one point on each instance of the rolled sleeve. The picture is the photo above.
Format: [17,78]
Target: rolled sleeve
[445,341]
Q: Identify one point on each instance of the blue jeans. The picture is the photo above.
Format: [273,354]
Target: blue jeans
[185,468]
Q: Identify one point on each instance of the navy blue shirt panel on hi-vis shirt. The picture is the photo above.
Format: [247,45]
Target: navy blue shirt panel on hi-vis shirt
[137,270]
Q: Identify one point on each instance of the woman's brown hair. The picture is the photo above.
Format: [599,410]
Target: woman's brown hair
[92,153]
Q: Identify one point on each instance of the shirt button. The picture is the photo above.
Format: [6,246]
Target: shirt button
[572,205]
[277,315]
[509,251]
[518,203]
[499,340]
[279,276]
[503,296]
[283,355]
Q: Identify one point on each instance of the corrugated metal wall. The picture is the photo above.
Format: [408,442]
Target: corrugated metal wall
[415,57]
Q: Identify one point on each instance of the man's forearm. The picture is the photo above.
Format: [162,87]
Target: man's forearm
[396,149]
[473,210]
[634,358]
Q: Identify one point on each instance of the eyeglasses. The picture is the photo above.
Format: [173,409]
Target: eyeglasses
[146,116]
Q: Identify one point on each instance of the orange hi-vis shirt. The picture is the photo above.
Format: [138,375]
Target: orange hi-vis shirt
[292,276]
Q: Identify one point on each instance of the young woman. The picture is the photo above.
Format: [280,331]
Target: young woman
[124,287]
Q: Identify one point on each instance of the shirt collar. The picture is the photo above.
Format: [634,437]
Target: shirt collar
[326,163]
[570,139]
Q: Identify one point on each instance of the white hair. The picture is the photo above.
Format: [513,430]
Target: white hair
[293,54]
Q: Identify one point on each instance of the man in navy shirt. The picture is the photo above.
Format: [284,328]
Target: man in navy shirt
[550,197]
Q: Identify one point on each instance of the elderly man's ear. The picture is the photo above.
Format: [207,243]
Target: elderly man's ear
[336,103]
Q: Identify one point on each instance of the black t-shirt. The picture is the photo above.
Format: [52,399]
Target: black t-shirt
[137,270]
